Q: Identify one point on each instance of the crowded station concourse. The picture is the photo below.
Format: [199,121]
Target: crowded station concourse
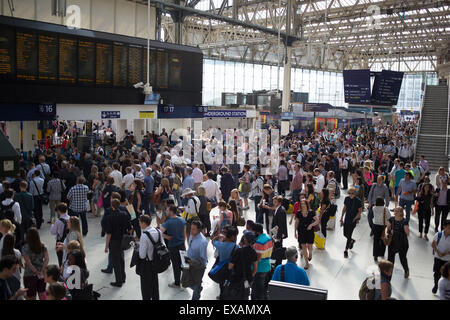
[223,150]
[341,204]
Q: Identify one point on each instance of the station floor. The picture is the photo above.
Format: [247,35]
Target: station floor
[328,269]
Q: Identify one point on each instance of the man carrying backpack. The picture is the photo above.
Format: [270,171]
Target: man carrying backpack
[59,228]
[10,209]
[25,200]
[149,278]
[441,249]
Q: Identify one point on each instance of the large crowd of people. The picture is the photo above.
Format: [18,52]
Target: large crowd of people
[173,208]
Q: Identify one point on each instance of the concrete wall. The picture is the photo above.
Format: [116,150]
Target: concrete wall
[113,16]
[93,112]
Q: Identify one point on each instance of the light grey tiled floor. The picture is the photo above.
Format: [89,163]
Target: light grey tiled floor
[328,268]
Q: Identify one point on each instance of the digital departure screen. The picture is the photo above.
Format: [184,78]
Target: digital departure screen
[175,70]
[134,64]
[162,73]
[7,56]
[386,88]
[120,65]
[67,60]
[86,62]
[48,53]
[104,64]
[26,55]
[357,86]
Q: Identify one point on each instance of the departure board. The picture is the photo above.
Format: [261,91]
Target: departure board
[120,64]
[48,53]
[162,61]
[86,62]
[104,64]
[175,70]
[134,64]
[386,88]
[67,60]
[7,61]
[357,86]
[26,55]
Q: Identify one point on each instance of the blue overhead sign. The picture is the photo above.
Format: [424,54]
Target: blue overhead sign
[287,116]
[225,114]
[110,114]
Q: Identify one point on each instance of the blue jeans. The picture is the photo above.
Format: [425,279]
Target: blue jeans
[197,288]
[259,286]
[177,196]
[406,205]
[296,194]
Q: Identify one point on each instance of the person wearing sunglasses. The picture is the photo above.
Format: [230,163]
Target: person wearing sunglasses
[351,213]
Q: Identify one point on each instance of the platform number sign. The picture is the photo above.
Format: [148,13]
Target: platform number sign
[47,110]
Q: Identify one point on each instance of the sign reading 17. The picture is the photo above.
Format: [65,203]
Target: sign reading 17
[169,109]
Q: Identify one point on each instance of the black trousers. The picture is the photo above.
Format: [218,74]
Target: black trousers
[136,226]
[60,255]
[402,251]
[117,260]
[348,232]
[438,263]
[323,224]
[176,262]
[438,212]
[206,221]
[283,185]
[337,175]
[345,179]
[424,215]
[378,245]
[38,211]
[149,285]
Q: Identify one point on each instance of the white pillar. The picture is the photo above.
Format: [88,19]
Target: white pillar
[287,81]
[13,132]
[29,135]
[121,127]
[139,129]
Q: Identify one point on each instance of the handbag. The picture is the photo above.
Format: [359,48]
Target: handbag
[208,206]
[127,240]
[219,271]
[388,240]
[156,198]
[100,201]
[240,221]
[43,197]
[416,208]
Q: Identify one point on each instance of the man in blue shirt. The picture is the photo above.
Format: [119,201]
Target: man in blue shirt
[292,272]
[407,189]
[188,182]
[197,251]
[148,192]
[175,227]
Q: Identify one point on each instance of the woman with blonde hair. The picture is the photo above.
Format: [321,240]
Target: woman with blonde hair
[165,191]
[239,203]
[6,226]
[74,228]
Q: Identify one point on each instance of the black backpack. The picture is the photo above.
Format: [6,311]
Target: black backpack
[161,255]
[65,232]
[7,212]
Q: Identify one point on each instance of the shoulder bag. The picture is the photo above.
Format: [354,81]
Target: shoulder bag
[388,240]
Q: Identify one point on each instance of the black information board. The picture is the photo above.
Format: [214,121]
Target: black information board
[153,68]
[357,86]
[386,88]
[48,53]
[134,64]
[26,55]
[86,62]
[7,56]
[104,63]
[67,60]
[162,71]
[175,70]
[120,64]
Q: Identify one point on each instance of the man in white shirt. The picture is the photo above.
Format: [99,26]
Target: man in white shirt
[149,279]
[193,202]
[127,181]
[211,188]
[36,186]
[197,174]
[320,181]
[116,175]
[441,247]
[60,229]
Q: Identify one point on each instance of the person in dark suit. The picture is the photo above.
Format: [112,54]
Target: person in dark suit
[279,218]
[227,184]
